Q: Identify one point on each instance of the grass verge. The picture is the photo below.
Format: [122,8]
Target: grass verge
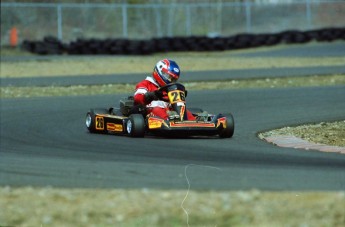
[330,133]
[82,207]
[19,92]
[112,65]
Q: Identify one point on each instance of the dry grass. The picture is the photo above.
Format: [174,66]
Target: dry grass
[112,65]
[117,65]
[330,133]
[20,92]
[82,207]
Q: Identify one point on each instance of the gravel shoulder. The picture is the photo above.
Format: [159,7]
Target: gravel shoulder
[330,133]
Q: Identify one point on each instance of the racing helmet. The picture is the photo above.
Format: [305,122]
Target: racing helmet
[165,72]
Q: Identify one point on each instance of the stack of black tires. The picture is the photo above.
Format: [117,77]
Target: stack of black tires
[53,46]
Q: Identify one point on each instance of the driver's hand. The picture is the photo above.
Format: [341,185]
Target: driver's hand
[159,94]
[150,96]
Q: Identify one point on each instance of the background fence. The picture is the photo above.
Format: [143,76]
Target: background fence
[68,22]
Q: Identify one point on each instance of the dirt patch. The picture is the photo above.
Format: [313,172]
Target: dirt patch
[328,133]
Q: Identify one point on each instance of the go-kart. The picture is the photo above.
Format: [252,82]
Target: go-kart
[133,120]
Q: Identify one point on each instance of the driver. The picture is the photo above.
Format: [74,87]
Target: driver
[165,72]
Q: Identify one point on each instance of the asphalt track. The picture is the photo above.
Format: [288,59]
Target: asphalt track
[44,142]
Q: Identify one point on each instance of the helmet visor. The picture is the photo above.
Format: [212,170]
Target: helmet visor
[169,76]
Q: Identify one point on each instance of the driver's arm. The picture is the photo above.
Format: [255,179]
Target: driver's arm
[143,97]
[139,99]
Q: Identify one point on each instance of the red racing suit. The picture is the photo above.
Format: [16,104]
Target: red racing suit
[156,107]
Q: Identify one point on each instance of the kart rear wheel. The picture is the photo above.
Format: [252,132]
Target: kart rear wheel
[228,132]
[90,120]
[136,125]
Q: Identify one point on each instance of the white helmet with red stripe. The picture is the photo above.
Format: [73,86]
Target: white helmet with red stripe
[165,72]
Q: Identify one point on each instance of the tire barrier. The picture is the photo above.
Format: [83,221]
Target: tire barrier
[52,46]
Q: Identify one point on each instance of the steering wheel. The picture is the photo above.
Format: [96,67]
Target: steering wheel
[172,86]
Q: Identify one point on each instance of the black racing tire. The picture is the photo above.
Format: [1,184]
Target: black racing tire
[228,132]
[136,125]
[90,120]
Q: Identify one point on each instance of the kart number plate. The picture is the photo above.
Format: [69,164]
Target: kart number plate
[99,123]
[176,96]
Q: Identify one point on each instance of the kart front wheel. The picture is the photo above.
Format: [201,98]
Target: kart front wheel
[228,132]
[136,125]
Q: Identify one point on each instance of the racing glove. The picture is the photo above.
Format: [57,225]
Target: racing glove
[150,96]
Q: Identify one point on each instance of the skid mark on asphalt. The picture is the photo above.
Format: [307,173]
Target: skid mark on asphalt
[188,182]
